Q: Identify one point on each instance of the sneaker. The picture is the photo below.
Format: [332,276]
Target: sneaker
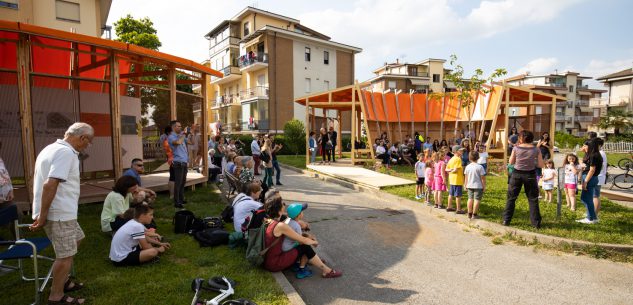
[333,274]
[295,267]
[475,216]
[450,210]
[303,273]
[279,183]
[596,220]
[417,197]
[585,221]
[460,212]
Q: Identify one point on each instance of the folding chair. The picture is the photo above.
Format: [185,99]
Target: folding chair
[21,248]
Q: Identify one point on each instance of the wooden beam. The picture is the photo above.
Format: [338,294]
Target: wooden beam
[507,128]
[526,103]
[172,93]
[204,122]
[94,65]
[145,73]
[26,117]
[115,116]
[384,105]
[398,113]
[366,124]
[339,140]
[552,127]
[164,82]
[494,121]
[353,137]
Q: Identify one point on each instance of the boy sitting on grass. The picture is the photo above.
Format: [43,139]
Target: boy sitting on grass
[475,182]
[129,246]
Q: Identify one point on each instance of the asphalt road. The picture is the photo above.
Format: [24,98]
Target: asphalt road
[394,253]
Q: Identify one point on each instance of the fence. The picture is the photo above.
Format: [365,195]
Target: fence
[618,147]
[152,150]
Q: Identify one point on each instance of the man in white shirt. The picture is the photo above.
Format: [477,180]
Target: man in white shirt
[55,203]
[245,202]
[256,152]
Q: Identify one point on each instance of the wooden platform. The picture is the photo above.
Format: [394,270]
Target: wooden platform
[96,191]
[358,175]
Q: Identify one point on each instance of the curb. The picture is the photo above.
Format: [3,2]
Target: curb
[290,292]
[479,223]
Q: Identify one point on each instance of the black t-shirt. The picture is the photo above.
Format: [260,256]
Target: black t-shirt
[595,160]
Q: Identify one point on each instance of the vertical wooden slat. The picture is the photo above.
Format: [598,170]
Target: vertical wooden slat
[353,137]
[204,122]
[26,118]
[115,111]
[308,131]
[507,127]
[552,128]
[365,123]
[172,93]
[339,140]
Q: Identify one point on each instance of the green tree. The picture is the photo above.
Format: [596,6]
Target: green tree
[140,32]
[295,135]
[617,119]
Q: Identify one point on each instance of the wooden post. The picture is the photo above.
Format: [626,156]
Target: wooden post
[172,93]
[204,122]
[26,118]
[507,127]
[384,105]
[339,140]
[494,120]
[398,113]
[353,137]
[366,124]
[307,131]
[552,128]
[115,111]
[313,117]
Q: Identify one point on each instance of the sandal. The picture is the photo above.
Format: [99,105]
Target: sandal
[64,301]
[75,285]
[332,274]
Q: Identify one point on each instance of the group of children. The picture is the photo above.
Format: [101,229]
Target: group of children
[435,170]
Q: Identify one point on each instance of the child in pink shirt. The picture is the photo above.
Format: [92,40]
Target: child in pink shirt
[428,180]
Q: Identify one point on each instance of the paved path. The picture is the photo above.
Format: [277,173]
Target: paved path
[360,175]
[398,254]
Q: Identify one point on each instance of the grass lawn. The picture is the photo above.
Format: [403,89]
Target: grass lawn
[298,161]
[166,282]
[616,221]
[612,158]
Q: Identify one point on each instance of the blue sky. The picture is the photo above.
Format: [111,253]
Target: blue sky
[540,36]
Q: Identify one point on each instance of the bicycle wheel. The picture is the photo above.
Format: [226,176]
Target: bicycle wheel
[624,163]
[623,181]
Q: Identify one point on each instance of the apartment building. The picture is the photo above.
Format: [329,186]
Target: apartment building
[268,60]
[86,17]
[573,116]
[619,96]
[419,77]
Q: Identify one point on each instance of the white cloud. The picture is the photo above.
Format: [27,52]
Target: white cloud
[540,65]
[599,67]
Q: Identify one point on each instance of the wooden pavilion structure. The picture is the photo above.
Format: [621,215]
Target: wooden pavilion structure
[50,79]
[390,111]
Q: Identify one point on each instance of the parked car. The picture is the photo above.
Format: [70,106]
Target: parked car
[555,149]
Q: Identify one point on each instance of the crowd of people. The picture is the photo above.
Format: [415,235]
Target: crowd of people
[325,144]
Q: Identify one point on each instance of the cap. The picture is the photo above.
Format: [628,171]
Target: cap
[295,209]
[457,148]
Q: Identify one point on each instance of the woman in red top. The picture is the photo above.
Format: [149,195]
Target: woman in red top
[276,259]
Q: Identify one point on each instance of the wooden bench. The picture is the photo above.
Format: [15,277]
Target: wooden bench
[234,183]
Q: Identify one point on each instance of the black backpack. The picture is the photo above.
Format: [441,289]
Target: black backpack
[183,221]
[265,157]
[212,237]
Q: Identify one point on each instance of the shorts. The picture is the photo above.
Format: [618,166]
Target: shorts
[64,235]
[476,194]
[548,186]
[455,191]
[132,259]
[570,186]
[596,191]
[419,181]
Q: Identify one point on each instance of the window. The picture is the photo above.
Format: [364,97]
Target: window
[9,4]
[436,78]
[538,109]
[326,57]
[307,57]
[392,84]
[308,87]
[67,11]
[246,29]
[571,88]
[326,84]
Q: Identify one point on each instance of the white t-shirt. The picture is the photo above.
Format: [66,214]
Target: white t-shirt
[393,150]
[126,239]
[570,177]
[242,205]
[602,177]
[473,173]
[380,150]
[483,158]
[547,173]
[420,168]
[58,160]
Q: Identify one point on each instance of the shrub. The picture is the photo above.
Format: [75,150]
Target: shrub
[565,140]
[295,136]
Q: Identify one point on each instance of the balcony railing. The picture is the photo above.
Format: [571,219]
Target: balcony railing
[418,73]
[259,91]
[222,45]
[582,103]
[584,118]
[614,101]
[255,125]
[225,100]
[252,58]
[560,117]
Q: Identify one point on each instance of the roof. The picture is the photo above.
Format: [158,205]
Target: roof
[623,73]
[123,48]
[527,75]
[250,9]
[431,59]
[300,36]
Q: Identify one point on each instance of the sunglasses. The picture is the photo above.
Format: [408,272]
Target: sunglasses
[139,165]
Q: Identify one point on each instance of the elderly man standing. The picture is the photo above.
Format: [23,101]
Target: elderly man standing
[256,152]
[178,144]
[55,203]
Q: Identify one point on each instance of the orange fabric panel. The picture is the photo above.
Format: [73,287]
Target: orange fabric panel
[390,102]
[495,98]
[404,102]
[380,111]
[435,109]
[369,110]
[419,107]
[450,112]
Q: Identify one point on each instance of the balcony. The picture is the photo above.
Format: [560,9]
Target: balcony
[560,117]
[584,118]
[253,62]
[231,73]
[225,101]
[224,44]
[614,101]
[418,73]
[582,103]
[259,92]
[255,125]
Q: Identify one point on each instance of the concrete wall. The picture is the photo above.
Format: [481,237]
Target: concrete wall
[436,68]
[43,13]
[281,81]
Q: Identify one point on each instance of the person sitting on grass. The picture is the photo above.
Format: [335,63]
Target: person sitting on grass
[276,259]
[116,203]
[475,182]
[245,202]
[456,180]
[129,246]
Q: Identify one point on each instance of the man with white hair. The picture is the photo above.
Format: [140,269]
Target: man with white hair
[55,203]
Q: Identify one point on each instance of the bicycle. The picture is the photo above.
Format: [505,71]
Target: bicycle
[626,162]
[623,181]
